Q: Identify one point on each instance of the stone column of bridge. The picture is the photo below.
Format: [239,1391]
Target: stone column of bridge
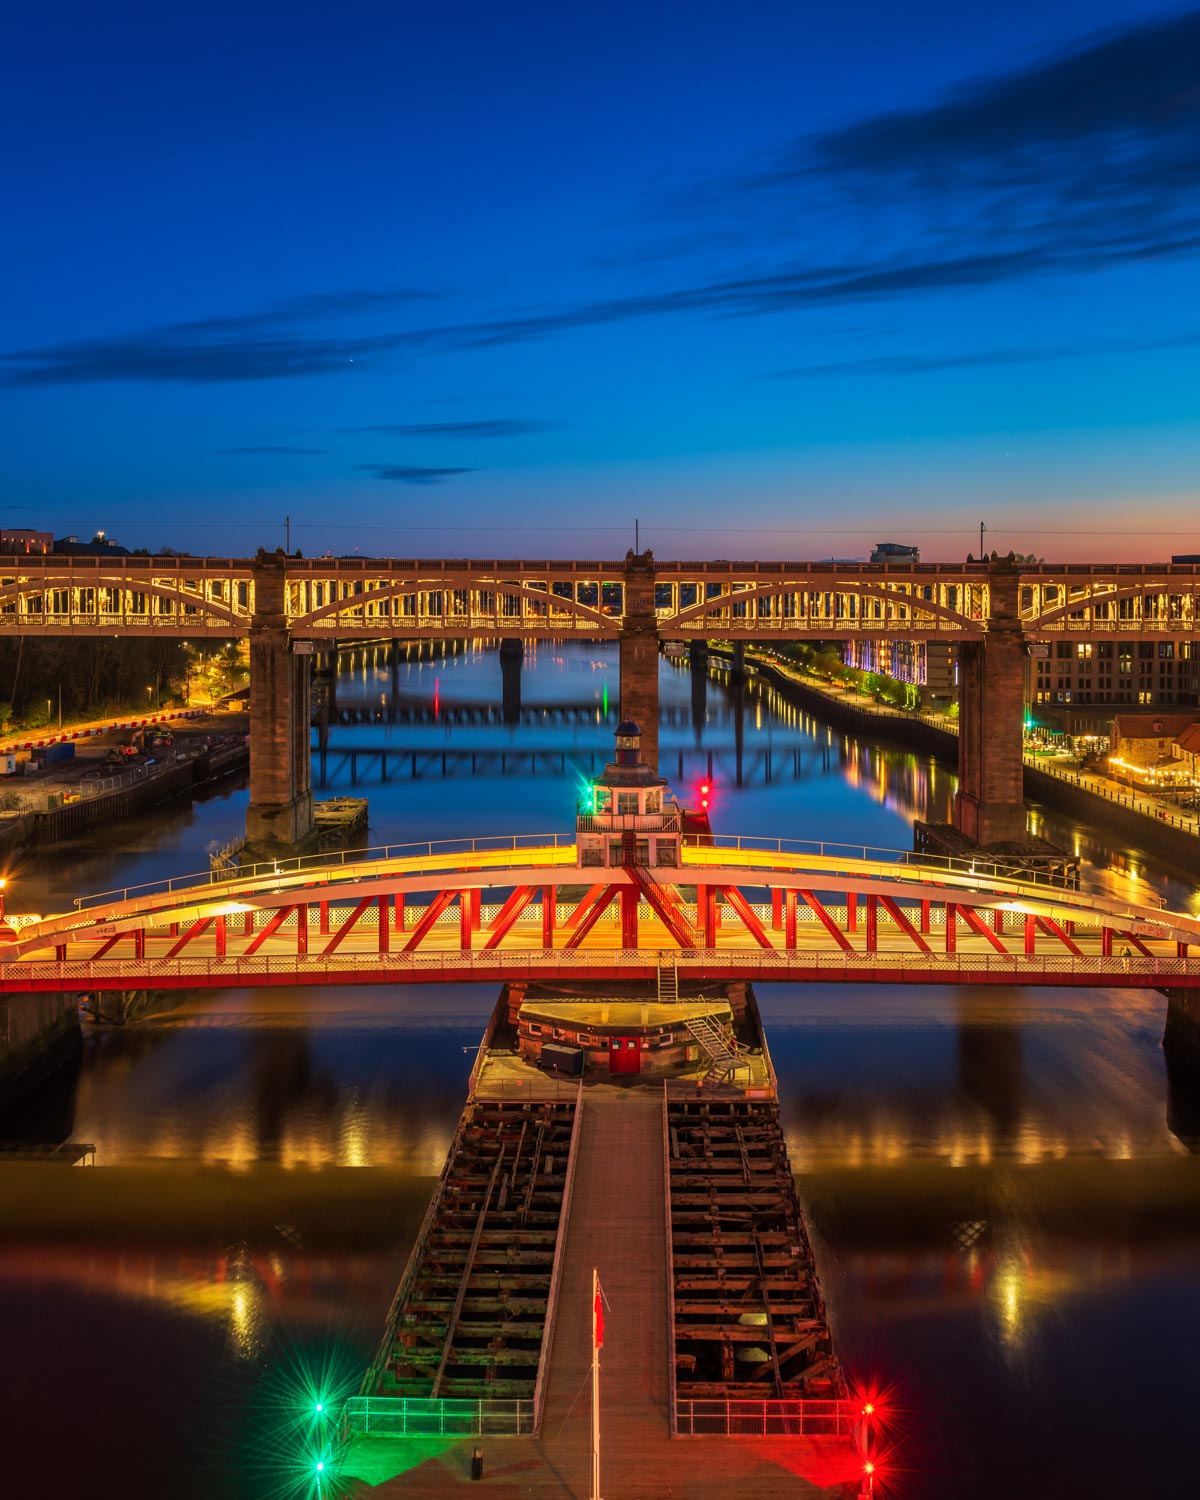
[989,805]
[1181,1039]
[280,810]
[512,657]
[639,653]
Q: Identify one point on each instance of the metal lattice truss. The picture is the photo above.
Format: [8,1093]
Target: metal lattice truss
[336,598]
[488,912]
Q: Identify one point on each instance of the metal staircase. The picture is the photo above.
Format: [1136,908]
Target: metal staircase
[664,902]
[668,982]
[722,1055]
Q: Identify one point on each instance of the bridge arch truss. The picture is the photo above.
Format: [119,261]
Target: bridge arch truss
[722,913]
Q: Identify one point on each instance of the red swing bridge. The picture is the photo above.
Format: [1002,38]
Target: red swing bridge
[528,907]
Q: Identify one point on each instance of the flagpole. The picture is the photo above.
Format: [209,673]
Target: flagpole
[595,1495]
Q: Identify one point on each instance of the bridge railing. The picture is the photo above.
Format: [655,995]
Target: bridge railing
[331,860]
[1011,968]
[811,1417]
[424,1416]
[820,849]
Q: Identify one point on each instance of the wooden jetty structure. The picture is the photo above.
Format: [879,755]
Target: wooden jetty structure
[749,1322]
[718,1362]
[470,1321]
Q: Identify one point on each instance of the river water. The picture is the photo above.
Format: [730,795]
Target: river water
[1003,1185]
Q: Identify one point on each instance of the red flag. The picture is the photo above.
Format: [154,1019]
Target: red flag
[598,1319]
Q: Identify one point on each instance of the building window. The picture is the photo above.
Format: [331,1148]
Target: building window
[627,803]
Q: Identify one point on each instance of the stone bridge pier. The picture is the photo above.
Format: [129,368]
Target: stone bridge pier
[281,805]
[989,806]
[639,653]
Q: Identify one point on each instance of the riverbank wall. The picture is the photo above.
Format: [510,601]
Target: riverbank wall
[39,1033]
[190,775]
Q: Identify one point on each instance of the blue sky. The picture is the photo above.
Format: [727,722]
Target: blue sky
[494,280]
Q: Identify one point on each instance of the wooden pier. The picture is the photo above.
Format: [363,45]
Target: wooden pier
[636,1157]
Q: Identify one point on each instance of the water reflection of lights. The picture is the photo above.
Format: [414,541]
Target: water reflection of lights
[1007,1295]
[893,1144]
[237,1149]
[245,1318]
[353,1148]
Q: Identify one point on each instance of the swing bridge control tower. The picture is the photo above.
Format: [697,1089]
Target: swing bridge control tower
[630,1129]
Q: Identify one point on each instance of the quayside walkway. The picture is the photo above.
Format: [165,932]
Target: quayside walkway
[617,1224]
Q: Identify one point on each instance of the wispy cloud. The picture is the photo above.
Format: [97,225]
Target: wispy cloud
[310,308]
[1128,90]
[1072,164]
[490,427]
[270,448]
[411,474]
[1076,164]
[920,364]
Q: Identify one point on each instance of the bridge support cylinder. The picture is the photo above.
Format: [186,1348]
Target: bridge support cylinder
[639,653]
[989,806]
[512,655]
[280,810]
[39,1032]
[1181,1039]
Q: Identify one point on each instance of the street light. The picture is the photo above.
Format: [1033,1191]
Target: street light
[6,931]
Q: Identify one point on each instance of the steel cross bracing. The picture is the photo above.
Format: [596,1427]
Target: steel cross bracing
[510,912]
[339,598]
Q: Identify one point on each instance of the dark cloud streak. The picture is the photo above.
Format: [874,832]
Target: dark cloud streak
[917,364]
[488,428]
[268,448]
[410,474]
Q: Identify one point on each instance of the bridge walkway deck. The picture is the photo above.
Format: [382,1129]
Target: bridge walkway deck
[618,1225]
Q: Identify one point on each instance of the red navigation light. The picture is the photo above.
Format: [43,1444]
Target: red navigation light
[705,789]
[868,1409]
[868,1467]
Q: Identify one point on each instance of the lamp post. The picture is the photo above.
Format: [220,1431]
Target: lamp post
[6,931]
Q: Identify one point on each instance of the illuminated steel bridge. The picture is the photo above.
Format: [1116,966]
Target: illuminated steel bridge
[524,907]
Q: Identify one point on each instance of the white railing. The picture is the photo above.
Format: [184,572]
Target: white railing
[425,1416]
[334,860]
[809,1417]
[618,823]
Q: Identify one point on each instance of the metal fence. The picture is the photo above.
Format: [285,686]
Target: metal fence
[539,848]
[808,1418]
[393,968]
[425,1416]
